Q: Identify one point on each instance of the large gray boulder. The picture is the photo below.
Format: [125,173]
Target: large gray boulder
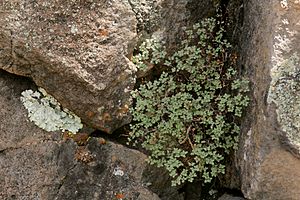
[80,51]
[77,50]
[35,164]
[268,157]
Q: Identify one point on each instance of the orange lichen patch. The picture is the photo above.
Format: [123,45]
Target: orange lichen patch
[106,116]
[114,158]
[120,196]
[90,114]
[102,141]
[123,110]
[83,155]
[67,135]
[103,32]
[80,138]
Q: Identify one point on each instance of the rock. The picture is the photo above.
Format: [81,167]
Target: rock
[229,197]
[268,157]
[167,18]
[106,172]
[201,9]
[161,184]
[35,164]
[78,51]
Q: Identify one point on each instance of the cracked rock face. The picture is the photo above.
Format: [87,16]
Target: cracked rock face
[80,51]
[77,51]
[268,158]
[35,164]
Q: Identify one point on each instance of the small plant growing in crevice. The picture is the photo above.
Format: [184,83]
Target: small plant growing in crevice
[188,119]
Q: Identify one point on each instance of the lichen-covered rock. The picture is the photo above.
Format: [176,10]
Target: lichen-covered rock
[283,93]
[285,72]
[35,164]
[77,50]
[80,51]
[268,158]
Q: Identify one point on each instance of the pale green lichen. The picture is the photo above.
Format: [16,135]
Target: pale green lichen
[47,113]
[284,93]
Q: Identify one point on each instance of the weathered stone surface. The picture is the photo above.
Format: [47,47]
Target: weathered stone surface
[230,197]
[76,50]
[79,51]
[167,18]
[268,158]
[35,164]
[110,171]
[160,184]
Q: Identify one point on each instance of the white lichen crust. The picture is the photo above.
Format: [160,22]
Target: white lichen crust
[47,113]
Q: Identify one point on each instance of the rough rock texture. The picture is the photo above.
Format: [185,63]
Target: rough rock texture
[76,50]
[35,164]
[229,197]
[79,51]
[268,158]
[169,17]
